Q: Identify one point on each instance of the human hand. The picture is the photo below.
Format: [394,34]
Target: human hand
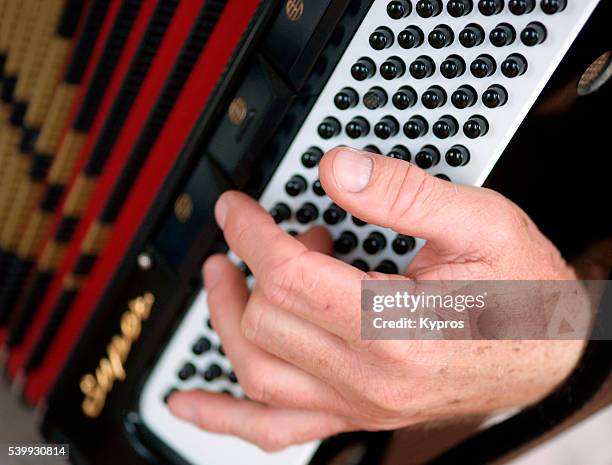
[295,341]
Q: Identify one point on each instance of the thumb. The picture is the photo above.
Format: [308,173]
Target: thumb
[396,194]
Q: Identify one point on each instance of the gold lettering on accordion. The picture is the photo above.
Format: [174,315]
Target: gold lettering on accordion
[183,207]
[294,9]
[96,386]
[237,110]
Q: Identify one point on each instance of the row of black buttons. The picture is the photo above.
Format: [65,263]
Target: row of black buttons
[399,9]
[453,66]
[417,126]
[406,97]
[471,36]
[211,373]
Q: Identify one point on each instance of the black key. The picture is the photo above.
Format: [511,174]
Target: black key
[400,152]
[550,7]
[372,149]
[452,67]
[513,66]
[442,176]
[360,265]
[404,98]
[280,212]
[423,67]
[445,127]
[169,393]
[363,69]
[317,188]
[221,351]
[403,244]
[534,34]
[330,127]
[231,376]
[307,213]
[458,8]
[441,36]
[495,96]
[213,372]
[416,127]
[476,126]
[358,222]
[200,346]
[521,7]
[490,7]
[398,9]
[346,242]
[334,214]
[411,37]
[427,157]
[209,323]
[381,38]
[374,243]
[346,98]
[457,155]
[357,127]
[311,157]
[296,185]
[375,98]
[429,8]
[392,68]
[465,96]
[187,371]
[434,97]
[503,34]
[472,35]
[386,127]
[387,267]
[483,66]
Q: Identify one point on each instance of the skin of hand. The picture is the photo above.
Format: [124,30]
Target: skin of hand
[295,343]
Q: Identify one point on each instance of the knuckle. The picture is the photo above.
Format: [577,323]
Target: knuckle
[254,387]
[274,440]
[284,281]
[250,324]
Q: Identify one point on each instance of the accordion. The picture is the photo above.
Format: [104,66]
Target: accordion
[123,121]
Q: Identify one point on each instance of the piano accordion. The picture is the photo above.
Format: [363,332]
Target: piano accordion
[123,121]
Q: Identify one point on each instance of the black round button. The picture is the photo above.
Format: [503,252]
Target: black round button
[221,351]
[495,96]
[422,67]
[441,36]
[375,98]
[402,244]
[386,127]
[330,127]
[334,214]
[458,8]
[503,34]
[381,38]
[374,243]
[360,265]
[387,267]
[372,149]
[490,7]
[201,345]
[465,96]
[363,69]
[245,269]
[410,37]
[317,188]
[416,127]
[404,98]
[483,66]
[513,66]
[392,68]
[231,376]
[187,371]
[346,98]
[311,157]
[296,185]
[209,323]
[443,177]
[471,35]
[427,157]
[307,213]
[445,127]
[168,394]
[280,212]
[399,152]
[457,155]
[521,7]
[213,372]
[398,9]
[452,67]
[358,222]
[476,126]
[533,34]
[346,242]
[434,97]
[357,127]
[429,8]
[550,7]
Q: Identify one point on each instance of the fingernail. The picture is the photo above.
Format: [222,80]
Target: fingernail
[352,170]
[211,274]
[221,211]
[183,409]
